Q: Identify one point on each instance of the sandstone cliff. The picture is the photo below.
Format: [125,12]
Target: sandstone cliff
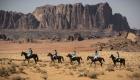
[66,17]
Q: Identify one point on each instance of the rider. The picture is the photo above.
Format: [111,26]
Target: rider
[74,54]
[118,56]
[55,54]
[96,55]
[30,51]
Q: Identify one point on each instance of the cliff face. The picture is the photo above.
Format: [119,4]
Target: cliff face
[66,17]
[8,20]
[27,21]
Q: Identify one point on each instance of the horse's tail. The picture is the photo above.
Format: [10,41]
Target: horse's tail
[37,57]
[81,58]
[62,58]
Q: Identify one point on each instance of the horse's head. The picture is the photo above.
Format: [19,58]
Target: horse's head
[22,53]
[87,58]
[49,54]
[69,55]
[111,56]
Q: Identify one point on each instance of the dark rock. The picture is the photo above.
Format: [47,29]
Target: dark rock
[120,22]
[70,38]
[78,37]
[3,36]
[8,20]
[27,21]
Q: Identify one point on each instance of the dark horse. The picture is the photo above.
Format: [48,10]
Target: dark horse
[100,59]
[59,58]
[115,60]
[34,56]
[74,59]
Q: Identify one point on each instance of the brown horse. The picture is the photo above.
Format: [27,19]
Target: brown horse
[74,59]
[100,59]
[59,58]
[117,60]
[34,56]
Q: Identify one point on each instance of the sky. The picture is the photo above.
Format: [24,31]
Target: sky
[128,8]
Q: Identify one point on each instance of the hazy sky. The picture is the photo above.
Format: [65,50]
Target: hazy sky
[128,8]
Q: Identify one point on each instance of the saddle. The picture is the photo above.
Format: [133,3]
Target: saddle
[117,59]
[30,55]
[96,58]
[55,56]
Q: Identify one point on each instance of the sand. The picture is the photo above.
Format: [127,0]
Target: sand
[44,69]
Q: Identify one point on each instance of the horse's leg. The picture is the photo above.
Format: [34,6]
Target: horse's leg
[35,60]
[28,61]
[95,63]
[114,64]
[24,59]
[71,62]
[53,61]
[120,64]
[79,62]
[61,60]
[91,63]
[101,63]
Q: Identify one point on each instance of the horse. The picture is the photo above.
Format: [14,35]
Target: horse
[59,58]
[100,59]
[74,59]
[34,56]
[115,60]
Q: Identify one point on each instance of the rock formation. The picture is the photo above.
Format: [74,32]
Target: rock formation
[66,17]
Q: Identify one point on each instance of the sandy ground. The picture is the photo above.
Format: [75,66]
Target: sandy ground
[65,71]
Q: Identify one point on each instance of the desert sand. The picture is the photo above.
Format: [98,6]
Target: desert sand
[12,61]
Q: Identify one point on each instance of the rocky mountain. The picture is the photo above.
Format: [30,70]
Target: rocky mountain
[66,17]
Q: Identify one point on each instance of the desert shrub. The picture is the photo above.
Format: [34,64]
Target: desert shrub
[101,73]
[92,75]
[45,77]
[17,77]
[136,75]
[12,69]
[110,68]
[7,70]
[52,64]
[38,69]
[119,75]
[71,73]
[43,65]
[55,65]
[82,74]
[23,64]
[130,69]
[66,64]
[8,67]
[74,67]
[21,69]
[139,66]
[3,72]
